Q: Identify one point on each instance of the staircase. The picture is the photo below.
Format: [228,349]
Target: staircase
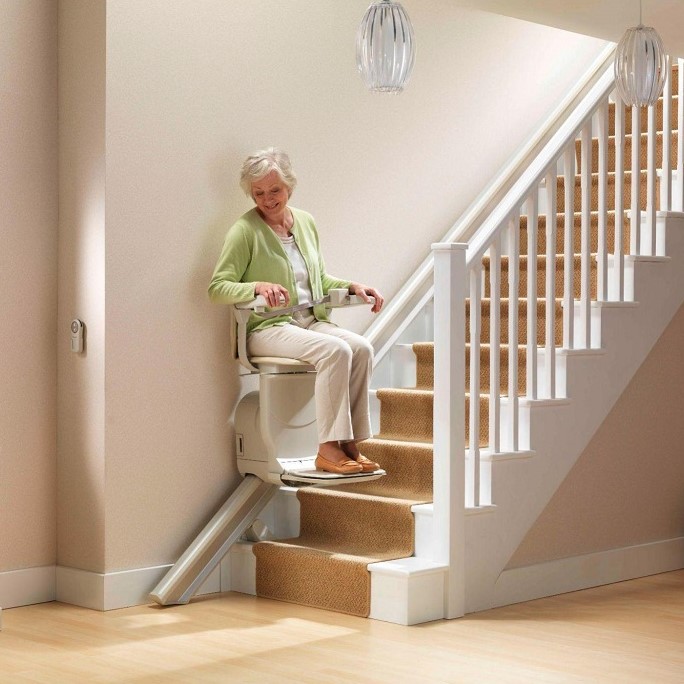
[567,290]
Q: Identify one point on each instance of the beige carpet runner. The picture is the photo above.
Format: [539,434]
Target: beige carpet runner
[345,529]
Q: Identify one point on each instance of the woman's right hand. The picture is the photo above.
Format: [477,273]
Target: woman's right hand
[273,293]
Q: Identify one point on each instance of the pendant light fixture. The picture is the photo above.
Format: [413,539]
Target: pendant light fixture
[385,47]
[640,65]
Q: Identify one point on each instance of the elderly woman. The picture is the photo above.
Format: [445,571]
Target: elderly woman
[273,250]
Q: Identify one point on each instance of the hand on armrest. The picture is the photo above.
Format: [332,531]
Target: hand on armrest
[368,294]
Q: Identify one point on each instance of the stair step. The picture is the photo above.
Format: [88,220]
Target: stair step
[559,268]
[610,156]
[522,320]
[576,228]
[406,414]
[408,466]
[610,192]
[425,367]
[644,113]
[307,570]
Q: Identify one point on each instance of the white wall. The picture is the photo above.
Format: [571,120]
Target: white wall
[194,87]
[28,280]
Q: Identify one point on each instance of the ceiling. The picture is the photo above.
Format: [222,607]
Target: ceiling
[605,19]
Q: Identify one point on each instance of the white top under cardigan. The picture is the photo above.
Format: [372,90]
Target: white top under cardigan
[299,269]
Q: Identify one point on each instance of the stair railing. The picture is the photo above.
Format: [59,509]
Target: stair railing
[497,242]
[566,316]
[417,292]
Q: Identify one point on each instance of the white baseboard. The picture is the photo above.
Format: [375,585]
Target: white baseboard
[109,591]
[27,586]
[590,570]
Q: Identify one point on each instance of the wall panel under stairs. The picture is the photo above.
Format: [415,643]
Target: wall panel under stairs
[627,487]
[560,431]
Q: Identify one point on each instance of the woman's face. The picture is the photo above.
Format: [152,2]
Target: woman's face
[271,196]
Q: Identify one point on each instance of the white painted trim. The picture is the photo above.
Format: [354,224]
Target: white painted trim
[109,591]
[449,477]
[508,455]
[27,586]
[590,570]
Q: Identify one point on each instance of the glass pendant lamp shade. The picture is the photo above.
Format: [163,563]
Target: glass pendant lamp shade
[640,66]
[385,47]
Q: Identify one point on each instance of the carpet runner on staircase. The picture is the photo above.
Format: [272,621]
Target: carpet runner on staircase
[344,529]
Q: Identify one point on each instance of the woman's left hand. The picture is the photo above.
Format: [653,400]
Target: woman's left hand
[366,293]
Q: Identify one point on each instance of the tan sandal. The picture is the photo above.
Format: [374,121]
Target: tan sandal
[348,467]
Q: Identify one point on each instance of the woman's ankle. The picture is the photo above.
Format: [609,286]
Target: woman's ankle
[331,451]
[350,449]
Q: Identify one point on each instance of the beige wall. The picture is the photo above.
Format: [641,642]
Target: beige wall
[159,101]
[81,454]
[191,89]
[28,279]
[627,487]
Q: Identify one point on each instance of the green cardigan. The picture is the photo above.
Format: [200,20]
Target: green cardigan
[253,253]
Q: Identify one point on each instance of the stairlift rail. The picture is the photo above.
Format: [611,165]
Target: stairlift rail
[273,442]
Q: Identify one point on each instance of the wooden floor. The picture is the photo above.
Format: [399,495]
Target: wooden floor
[627,632]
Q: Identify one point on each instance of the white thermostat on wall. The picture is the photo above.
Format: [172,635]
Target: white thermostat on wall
[77,336]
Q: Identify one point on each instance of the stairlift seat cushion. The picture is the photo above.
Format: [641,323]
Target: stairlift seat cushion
[279,364]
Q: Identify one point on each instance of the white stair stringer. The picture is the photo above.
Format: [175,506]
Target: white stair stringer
[558,432]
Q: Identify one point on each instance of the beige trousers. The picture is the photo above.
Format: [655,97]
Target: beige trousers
[343,362]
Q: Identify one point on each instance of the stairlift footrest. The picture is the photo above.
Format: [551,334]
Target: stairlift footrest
[304,471]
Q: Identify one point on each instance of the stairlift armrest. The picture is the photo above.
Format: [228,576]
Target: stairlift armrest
[339,297]
[336,298]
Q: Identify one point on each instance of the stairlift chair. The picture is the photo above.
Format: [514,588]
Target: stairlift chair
[275,428]
[276,443]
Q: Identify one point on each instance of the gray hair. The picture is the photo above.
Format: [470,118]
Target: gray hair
[261,163]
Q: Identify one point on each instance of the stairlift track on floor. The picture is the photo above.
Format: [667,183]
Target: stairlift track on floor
[276,434]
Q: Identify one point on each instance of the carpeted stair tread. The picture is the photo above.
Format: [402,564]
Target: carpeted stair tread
[644,114]
[559,268]
[610,193]
[407,414]
[340,534]
[577,235]
[424,352]
[643,152]
[522,320]
[408,466]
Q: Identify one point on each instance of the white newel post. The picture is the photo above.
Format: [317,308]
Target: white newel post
[449,421]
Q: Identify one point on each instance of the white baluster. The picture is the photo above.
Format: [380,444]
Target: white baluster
[585,272]
[448,423]
[513,285]
[473,461]
[495,345]
[651,182]
[550,311]
[635,216]
[532,266]
[602,256]
[667,139]
[619,259]
[569,248]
